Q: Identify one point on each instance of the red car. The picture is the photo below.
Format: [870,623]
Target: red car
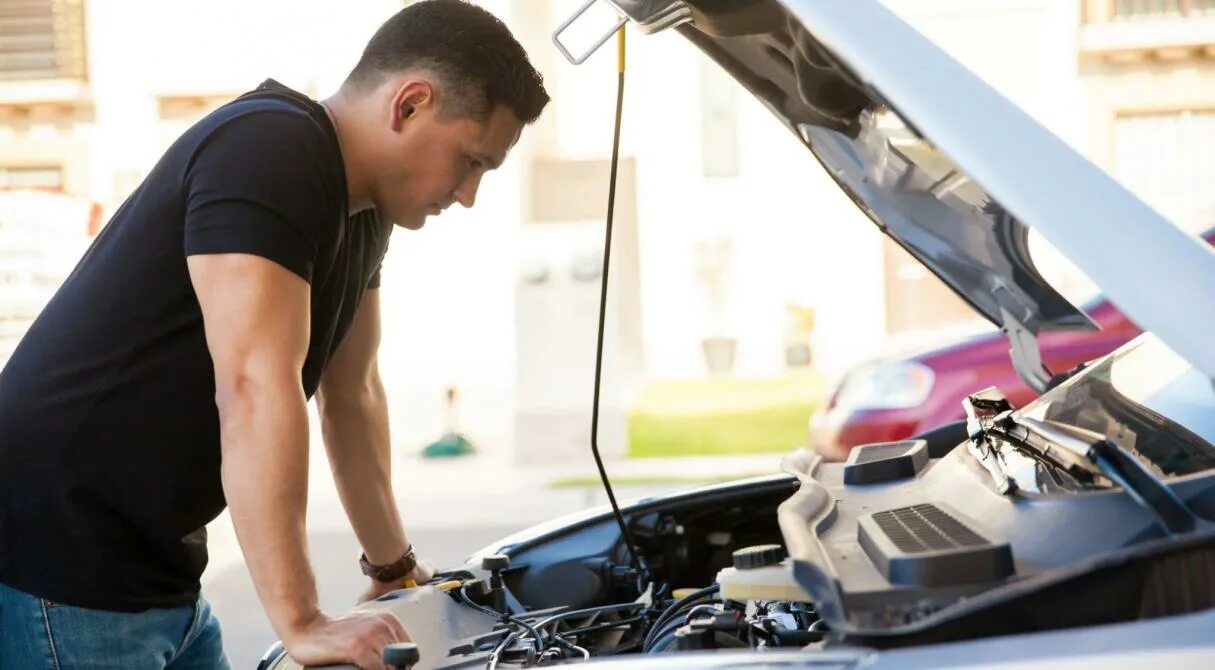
[894,399]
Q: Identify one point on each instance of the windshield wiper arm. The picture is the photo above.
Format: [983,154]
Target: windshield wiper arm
[982,408]
[1085,455]
[1116,464]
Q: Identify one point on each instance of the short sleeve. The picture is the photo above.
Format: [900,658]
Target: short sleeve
[259,185]
[374,282]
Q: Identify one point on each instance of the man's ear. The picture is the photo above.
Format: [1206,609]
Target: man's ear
[412,96]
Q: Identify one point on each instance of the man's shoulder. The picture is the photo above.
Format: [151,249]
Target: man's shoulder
[265,136]
[276,116]
[268,114]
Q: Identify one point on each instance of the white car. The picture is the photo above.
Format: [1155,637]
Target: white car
[1072,533]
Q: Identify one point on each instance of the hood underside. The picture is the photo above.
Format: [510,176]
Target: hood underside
[952,171]
[911,191]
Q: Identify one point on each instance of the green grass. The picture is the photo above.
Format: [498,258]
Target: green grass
[720,417]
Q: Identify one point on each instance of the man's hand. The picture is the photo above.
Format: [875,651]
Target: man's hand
[358,638]
[421,574]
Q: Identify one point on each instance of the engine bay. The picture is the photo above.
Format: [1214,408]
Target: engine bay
[905,544]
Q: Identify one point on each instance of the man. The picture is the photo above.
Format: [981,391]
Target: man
[169,375]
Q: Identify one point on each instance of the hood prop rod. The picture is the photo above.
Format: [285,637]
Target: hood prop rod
[637,560]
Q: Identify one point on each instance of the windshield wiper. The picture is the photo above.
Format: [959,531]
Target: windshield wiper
[982,411]
[990,423]
[1088,457]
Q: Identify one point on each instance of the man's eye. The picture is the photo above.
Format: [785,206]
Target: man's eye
[475,163]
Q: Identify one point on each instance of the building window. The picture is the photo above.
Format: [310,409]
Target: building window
[1166,159]
[42,39]
[1136,9]
[44,178]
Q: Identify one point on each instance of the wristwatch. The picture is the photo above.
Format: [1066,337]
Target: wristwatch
[392,572]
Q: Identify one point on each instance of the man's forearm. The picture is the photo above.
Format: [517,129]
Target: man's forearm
[265,474]
[355,426]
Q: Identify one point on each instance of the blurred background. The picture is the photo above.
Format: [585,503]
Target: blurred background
[746,290]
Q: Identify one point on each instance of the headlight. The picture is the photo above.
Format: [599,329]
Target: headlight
[886,386]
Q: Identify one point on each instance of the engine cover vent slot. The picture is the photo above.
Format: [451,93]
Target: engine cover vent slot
[925,545]
[885,462]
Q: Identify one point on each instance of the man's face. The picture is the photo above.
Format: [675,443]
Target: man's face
[427,162]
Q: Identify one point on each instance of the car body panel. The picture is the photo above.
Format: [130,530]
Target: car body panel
[864,62]
[1179,643]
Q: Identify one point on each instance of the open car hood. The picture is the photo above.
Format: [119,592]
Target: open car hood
[951,170]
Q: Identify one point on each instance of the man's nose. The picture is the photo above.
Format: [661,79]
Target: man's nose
[466,192]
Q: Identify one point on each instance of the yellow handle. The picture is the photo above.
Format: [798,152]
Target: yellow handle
[620,49]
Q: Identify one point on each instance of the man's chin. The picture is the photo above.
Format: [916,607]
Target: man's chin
[412,223]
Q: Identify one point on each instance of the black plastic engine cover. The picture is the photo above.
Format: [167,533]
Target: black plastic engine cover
[924,545]
[885,462]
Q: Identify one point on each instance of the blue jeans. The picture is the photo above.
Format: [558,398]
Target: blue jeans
[37,634]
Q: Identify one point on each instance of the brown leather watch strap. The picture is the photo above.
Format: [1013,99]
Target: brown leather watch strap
[392,572]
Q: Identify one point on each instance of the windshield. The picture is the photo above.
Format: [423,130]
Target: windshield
[1147,400]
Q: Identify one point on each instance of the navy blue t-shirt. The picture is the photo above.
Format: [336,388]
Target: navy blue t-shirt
[109,433]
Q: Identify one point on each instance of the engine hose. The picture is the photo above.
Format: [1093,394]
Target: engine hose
[607,625]
[722,639]
[544,623]
[682,618]
[674,609]
[672,625]
[537,641]
[662,626]
[666,633]
[663,641]
[683,602]
[496,654]
[586,655]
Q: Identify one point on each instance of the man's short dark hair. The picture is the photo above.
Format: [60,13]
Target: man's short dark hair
[476,60]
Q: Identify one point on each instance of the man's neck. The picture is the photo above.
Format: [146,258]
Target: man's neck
[343,115]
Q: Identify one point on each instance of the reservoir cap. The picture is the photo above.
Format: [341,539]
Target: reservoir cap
[760,556]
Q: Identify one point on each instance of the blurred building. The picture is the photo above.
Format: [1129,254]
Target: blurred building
[734,253]
[1148,71]
[42,234]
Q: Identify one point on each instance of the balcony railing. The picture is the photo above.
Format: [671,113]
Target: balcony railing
[42,39]
[1132,31]
[1145,9]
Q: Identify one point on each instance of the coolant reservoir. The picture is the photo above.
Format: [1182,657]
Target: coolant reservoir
[761,573]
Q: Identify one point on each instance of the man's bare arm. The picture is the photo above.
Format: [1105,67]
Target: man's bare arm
[354,420]
[256,316]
